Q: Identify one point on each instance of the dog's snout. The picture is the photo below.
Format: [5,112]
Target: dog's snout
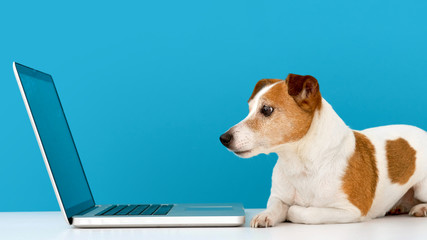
[226,139]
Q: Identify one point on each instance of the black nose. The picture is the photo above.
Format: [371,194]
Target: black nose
[226,139]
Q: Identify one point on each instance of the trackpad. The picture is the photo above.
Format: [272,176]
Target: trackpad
[209,208]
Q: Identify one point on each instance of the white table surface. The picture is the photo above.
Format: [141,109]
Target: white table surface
[51,225]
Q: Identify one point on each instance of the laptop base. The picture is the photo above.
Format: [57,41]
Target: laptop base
[181,215]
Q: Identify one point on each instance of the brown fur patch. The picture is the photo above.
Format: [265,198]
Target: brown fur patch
[261,84]
[361,176]
[400,160]
[305,91]
[289,122]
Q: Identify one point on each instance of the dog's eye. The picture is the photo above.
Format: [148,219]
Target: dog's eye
[267,110]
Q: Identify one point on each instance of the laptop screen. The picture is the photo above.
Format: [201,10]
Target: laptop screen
[56,139]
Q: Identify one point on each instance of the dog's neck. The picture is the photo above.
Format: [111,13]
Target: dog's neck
[327,141]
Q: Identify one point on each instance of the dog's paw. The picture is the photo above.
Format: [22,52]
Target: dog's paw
[263,219]
[419,210]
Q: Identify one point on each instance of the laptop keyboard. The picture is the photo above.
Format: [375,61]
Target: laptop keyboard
[144,209]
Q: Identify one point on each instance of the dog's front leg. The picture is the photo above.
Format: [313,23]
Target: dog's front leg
[282,194]
[315,215]
[275,213]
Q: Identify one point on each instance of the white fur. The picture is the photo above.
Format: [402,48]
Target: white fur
[307,178]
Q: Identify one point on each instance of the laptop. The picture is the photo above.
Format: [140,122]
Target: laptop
[69,180]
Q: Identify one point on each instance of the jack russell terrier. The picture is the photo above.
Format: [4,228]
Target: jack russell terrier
[326,172]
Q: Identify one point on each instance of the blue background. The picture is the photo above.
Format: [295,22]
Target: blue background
[149,87]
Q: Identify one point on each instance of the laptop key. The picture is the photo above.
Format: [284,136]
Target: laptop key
[115,210]
[163,210]
[105,210]
[138,210]
[127,210]
[150,210]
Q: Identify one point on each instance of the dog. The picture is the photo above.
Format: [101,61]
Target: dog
[326,172]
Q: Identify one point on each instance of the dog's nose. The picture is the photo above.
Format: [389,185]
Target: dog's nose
[226,139]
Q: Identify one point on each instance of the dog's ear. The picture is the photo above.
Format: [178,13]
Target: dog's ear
[261,84]
[305,91]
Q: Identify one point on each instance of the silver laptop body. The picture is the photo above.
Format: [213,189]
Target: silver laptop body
[69,180]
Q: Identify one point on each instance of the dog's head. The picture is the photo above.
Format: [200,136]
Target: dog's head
[279,112]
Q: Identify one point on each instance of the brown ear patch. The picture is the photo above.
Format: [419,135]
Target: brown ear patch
[361,176]
[261,84]
[305,91]
[400,160]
